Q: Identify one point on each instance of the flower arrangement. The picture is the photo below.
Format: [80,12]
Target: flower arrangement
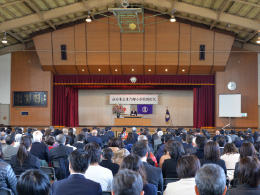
[118,109]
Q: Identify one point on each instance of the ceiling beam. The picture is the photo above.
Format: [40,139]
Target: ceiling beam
[80,7]
[39,13]
[15,36]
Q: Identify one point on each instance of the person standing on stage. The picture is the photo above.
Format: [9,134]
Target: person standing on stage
[133,112]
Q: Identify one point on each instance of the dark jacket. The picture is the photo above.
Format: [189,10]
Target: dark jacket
[199,153]
[187,146]
[126,142]
[60,151]
[31,162]
[79,145]
[169,168]
[150,189]
[41,151]
[110,134]
[76,184]
[220,162]
[244,189]
[110,165]
[104,139]
[154,176]
[135,136]
[7,177]
[94,139]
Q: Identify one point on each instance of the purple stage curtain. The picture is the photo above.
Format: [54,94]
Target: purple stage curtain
[65,93]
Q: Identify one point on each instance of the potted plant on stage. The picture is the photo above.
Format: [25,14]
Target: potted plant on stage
[118,109]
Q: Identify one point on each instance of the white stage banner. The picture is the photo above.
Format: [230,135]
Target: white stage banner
[133,99]
[127,109]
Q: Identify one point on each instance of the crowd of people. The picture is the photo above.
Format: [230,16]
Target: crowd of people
[133,163]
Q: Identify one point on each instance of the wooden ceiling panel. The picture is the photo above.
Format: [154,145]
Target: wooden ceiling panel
[183,70]
[200,69]
[66,69]
[133,70]
[99,69]
[116,69]
[166,70]
[149,70]
[82,69]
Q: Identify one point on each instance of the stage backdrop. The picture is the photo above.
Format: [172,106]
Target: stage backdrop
[94,107]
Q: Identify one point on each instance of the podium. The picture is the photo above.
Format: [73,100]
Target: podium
[132,121]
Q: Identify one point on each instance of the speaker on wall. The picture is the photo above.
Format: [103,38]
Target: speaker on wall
[63,49]
[202,52]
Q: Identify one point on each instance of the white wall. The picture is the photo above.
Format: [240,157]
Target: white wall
[5,85]
[94,108]
[5,78]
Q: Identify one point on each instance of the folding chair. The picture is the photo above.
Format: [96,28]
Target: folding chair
[5,191]
[50,172]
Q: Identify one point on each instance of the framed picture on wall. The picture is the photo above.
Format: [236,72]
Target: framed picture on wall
[30,98]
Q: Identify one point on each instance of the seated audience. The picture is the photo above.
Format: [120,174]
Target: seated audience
[95,138]
[106,162]
[221,140]
[95,172]
[176,151]
[134,133]
[109,133]
[189,139]
[187,167]
[103,137]
[154,174]
[249,177]
[76,183]
[130,139]
[9,150]
[60,151]
[79,143]
[24,160]
[160,151]
[165,156]
[17,138]
[150,156]
[210,179]
[230,155]
[7,176]
[118,147]
[247,149]
[71,135]
[211,155]
[127,182]
[67,143]
[201,141]
[38,148]
[50,141]
[33,182]
[133,162]
[233,135]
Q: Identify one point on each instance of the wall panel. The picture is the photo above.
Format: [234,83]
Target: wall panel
[27,75]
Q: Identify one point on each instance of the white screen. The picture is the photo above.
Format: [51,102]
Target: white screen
[230,105]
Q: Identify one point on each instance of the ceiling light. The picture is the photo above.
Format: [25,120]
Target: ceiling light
[173,19]
[166,70]
[99,69]
[149,70]
[116,70]
[4,40]
[183,70]
[258,39]
[82,70]
[133,70]
[88,19]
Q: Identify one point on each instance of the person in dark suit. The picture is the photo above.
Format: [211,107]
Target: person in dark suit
[24,160]
[189,139]
[80,140]
[109,133]
[104,138]
[60,151]
[154,174]
[133,112]
[38,148]
[95,138]
[221,140]
[76,183]
[176,151]
[201,141]
[212,156]
[106,162]
[249,177]
[134,133]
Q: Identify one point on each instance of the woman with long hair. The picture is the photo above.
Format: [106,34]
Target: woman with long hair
[134,163]
[118,147]
[212,156]
[230,155]
[24,160]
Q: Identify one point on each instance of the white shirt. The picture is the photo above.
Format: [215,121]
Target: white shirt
[181,187]
[100,175]
[230,160]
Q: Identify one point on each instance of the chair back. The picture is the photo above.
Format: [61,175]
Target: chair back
[169,180]
[106,193]
[50,172]
[4,191]
[55,163]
